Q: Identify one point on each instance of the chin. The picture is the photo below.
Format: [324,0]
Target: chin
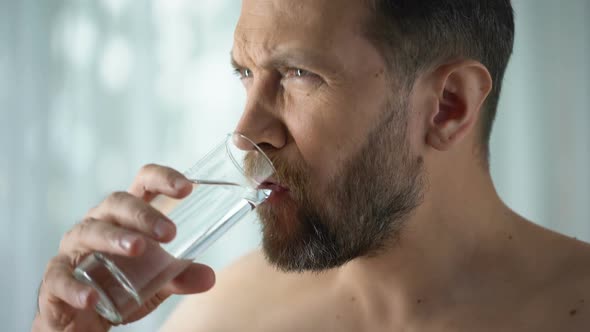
[295,244]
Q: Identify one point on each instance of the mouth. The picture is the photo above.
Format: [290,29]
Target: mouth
[278,192]
[273,185]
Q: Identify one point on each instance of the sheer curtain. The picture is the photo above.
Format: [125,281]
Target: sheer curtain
[541,142]
[92,90]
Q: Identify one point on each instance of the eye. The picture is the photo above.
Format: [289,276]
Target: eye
[297,73]
[243,73]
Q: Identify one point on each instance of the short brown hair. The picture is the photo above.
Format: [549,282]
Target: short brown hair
[414,35]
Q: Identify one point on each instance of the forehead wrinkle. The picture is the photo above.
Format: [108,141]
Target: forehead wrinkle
[286,9]
[316,20]
[289,57]
[283,33]
[270,50]
[250,54]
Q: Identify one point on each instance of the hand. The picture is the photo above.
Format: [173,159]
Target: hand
[120,225]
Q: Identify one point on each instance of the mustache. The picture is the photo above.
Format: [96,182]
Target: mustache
[292,174]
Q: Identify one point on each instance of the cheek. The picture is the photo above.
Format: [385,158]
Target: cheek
[331,124]
[315,147]
[323,131]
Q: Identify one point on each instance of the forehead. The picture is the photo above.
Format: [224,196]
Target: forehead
[317,24]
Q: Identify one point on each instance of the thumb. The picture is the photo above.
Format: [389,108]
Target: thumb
[196,278]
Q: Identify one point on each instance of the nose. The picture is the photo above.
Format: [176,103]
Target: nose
[261,121]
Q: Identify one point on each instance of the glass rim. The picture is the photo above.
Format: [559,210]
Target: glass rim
[235,162]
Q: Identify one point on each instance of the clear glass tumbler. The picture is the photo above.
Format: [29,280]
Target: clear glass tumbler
[228,183]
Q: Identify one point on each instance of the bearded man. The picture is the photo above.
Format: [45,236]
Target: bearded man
[377,115]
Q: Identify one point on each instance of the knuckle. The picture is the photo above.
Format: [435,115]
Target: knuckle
[59,315]
[73,237]
[49,274]
[76,257]
[65,239]
[49,277]
[117,197]
[45,282]
[82,229]
[148,168]
[93,211]
[38,324]
[170,178]
[143,216]
[40,296]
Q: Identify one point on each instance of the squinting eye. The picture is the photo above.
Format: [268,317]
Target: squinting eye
[297,73]
[300,72]
[243,73]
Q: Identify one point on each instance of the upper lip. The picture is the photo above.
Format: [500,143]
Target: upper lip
[273,185]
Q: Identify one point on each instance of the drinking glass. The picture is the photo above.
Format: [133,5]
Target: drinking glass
[228,183]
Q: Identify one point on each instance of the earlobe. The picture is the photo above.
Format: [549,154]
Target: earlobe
[461,89]
[436,141]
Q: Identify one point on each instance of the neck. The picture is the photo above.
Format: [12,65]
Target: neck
[448,242]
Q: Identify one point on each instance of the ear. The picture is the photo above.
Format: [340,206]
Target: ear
[461,89]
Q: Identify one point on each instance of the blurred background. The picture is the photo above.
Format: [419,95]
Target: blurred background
[92,90]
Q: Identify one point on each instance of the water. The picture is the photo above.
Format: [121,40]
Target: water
[125,283]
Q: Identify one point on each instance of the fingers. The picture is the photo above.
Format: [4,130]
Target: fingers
[60,285]
[55,315]
[121,225]
[37,324]
[196,278]
[95,235]
[65,304]
[154,179]
[135,214]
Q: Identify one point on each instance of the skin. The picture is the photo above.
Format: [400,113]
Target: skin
[120,225]
[464,261]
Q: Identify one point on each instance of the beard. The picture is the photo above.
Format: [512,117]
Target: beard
[361,213]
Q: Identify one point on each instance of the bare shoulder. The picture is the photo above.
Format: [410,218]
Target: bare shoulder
[575,271]
[569,300]
[564,301]
[572,258]
[242,292]
[567,261]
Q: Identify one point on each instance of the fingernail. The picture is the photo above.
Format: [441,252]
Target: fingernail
[163,229]
[127,241]
[179,183]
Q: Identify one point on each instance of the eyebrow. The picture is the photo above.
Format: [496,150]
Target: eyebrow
[234,62]
[292,57]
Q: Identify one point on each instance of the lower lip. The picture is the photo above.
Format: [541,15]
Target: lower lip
[277,195]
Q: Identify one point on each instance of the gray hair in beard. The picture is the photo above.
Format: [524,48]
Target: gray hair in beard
[362,213]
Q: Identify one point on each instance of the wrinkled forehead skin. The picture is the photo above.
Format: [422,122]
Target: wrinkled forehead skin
[332,28]
[325,37]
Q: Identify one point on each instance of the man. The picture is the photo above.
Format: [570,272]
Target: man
[377,116]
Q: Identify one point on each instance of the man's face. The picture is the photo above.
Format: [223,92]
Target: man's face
[334,126]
